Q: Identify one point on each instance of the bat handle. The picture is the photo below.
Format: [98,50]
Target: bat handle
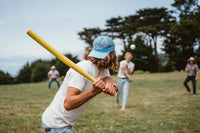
[93,79]
[115,88]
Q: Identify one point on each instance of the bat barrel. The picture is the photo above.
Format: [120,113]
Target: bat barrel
[60,56]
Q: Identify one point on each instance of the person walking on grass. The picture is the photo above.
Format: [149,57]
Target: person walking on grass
[76,92]
[193,75]
[125,70]
[53,75]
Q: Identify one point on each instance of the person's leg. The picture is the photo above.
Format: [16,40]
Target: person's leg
[58,84]
[194,85]
[44,127]
[120,85]
[68,130]
[125,93]
[50,130]
[185,84]
[50,84]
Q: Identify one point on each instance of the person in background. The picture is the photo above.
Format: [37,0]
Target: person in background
[125,70]
[53,75]
[193,75]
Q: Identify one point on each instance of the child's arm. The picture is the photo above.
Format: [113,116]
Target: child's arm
[197,75]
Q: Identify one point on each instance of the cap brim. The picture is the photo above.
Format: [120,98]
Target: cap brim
[98,54]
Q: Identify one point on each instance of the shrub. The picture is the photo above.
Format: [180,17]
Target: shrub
[24,75]
[6,78]
[141,72]
[62,78]
[61,67]
[39,72]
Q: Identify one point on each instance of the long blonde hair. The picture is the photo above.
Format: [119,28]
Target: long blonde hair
[109,62]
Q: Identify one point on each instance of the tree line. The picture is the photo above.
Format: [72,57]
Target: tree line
[178,29]
[36,71]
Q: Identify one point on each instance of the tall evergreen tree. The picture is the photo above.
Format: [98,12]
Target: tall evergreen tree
[185,7]
[6,78]
[154,22]
[89,34]
[183,35]
[142,56]
[113,26]
[39,72]
[61,67]
[24,75]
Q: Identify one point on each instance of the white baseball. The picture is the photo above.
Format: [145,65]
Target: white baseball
[132,46]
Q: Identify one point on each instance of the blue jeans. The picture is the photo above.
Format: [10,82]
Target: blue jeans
[122,83]
[52,81]
[66,129]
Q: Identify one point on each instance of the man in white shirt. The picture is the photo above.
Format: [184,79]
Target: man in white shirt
[53,75]
[125,70]
[77,92]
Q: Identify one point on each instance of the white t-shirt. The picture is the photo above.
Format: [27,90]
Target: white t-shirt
[123,63]
[53,74]
[56,116]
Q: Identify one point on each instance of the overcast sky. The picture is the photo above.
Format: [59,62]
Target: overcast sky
[57,22]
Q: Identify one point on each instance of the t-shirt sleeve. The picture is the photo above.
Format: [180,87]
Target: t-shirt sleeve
[57,72]
[122,64]
[197,68]
[104,73]
[76,80]
[49,72]
[133,67]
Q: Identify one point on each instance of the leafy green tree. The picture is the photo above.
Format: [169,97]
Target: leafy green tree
[142,56]
[89,34]
[180,44]
[24,75]
[154,22]
[61,67]
[197,23]
[6,78]
[183,37]
[130,28]
[122,28]
[151,22]
[185,7]
[39,72]
[113,27]
[40,61]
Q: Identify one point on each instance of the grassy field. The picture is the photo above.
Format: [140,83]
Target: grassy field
[157,103]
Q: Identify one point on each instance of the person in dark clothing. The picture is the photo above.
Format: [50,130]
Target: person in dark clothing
[193,75]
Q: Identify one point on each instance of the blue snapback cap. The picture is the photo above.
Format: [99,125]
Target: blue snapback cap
[102,46]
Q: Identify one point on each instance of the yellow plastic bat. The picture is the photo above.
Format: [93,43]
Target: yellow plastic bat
[60,56]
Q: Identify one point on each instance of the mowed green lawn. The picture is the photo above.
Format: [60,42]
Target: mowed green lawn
[157,103]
